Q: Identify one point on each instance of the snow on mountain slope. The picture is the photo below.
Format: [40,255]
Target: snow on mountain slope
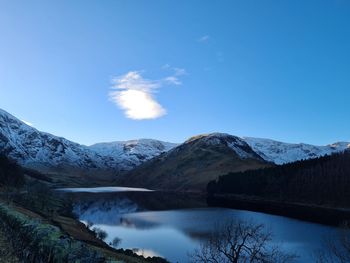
[238,145]
[29,146]
[192,164]
[281,153]
[134,152]
[33,148]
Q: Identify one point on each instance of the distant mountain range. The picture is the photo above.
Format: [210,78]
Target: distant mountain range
[56,155]
[191,165]
[281,152]
[206,154]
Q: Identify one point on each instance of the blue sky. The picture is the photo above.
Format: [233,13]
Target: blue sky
[96,71]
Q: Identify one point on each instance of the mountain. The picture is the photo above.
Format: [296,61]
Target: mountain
[281,152]
[56,155]
[207,155]
[133,152]
[191,165]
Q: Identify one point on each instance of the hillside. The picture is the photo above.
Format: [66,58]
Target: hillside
[191,165]
[68,162]
[11,174]
[323,181]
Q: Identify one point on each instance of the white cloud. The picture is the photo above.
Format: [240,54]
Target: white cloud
[166,66]
[173,80]
[134,95]
[27,122]
[203,39]
[179,71]
[138,104]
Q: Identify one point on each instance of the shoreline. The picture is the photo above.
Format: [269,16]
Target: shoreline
[305,212]
[301,211]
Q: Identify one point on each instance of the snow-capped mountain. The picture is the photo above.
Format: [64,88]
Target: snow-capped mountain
[36,149]
[238,145]
[281,152]
[43,151]
[133,152]
[192,164]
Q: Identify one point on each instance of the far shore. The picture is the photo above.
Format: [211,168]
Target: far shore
[306,212]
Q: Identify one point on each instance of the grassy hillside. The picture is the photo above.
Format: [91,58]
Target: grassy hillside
[190,166]
[37,225]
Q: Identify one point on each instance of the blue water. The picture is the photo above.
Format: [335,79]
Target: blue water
[175,233]
[109,189]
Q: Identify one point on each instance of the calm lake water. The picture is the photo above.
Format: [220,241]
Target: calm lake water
[173,225]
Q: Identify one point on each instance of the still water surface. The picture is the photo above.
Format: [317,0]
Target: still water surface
[172,225]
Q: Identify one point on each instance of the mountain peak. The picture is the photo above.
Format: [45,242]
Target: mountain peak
[234,143]
[281,152]
[209,136]
[49,153]
[192,164]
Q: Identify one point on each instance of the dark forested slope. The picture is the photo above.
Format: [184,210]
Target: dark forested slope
[11,174]
[321,181]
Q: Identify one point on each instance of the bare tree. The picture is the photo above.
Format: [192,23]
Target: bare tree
[100,233]
[116,242]
[336,250]
[240,242]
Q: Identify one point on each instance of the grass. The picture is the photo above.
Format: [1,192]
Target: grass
[67,226]
[7,254]
[36,209]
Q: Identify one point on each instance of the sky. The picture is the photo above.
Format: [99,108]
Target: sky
[98,71]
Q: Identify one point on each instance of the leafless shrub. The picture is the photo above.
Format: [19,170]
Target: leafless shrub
[116,242]
[100,233]
[239,241]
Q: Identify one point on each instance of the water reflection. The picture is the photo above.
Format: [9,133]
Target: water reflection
[172,225]
[110,189]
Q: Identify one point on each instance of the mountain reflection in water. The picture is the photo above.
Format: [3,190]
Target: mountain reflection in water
[172,225]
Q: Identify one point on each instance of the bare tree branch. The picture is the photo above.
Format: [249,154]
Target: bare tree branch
[240,242]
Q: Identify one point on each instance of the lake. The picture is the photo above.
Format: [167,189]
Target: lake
[173,225]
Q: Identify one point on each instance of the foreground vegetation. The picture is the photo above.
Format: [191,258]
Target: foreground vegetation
[48,242]
[32,237]
[37,225]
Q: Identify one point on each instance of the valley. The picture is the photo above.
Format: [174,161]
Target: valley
[152,201]
[146,162]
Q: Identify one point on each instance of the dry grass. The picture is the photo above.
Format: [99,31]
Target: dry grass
[7,254]
[189,168]
[71,227]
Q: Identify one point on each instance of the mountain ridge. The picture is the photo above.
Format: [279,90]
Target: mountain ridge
[282,152]
[56,155]
[48,153]
[191,165]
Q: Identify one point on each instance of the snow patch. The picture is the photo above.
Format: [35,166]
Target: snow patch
[281,153]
